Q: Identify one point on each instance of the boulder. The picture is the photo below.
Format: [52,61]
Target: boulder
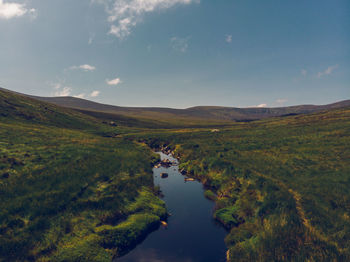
[164,175]
[165,163]
[183,172]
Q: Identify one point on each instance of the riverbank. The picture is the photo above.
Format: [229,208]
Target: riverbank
[69,191]
[268,179]
[210,192]
[70,183]
[148,210]
[191,233]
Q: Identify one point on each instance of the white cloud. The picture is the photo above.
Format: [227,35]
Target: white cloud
[179,44]
[85,68]
[328,71]
[228,38]
[303,72]
[11,10]
[82,95]
[33,13]
[281,101]
[95,93]
[62,91]
[259,106]
[113,82]
[126,14]
[123,29]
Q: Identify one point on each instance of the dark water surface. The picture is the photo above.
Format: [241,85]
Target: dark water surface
[192,235]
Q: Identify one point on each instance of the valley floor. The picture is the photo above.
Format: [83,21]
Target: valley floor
[281,186]
[76,188]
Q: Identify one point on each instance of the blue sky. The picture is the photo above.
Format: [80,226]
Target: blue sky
[178,53]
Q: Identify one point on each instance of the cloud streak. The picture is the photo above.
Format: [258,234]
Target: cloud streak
[82,95]
[113,82]
[328,71]
[126,14]
[258,106]
[85,68]
[62,91]
[95,93]
[12,10]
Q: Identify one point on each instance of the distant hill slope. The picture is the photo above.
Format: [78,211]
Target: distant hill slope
[16,107]
[213,113]
[206,112]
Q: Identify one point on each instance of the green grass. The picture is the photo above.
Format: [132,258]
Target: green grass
[75,189]
[282,184]
[228,216]
[210,195]
[61,181]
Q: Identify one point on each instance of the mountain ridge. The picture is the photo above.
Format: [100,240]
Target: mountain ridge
[219,113]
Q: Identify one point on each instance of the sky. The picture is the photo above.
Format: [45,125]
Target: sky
[178,53]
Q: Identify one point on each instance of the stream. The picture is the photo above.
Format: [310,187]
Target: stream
[192,235]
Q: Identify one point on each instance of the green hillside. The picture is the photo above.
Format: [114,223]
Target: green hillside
[74,187]
[19,108]
[67,193]
[192,116]
[281,186]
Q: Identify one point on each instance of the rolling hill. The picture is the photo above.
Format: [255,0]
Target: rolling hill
[213,113]
[199,112]
[68,190]
[71,192]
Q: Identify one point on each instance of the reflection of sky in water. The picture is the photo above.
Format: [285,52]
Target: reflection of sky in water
[192,235]
[151,254]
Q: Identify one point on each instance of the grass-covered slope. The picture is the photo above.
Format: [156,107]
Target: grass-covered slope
[281,185]
[75,189]
[193,115]
[14,107]
[67,194]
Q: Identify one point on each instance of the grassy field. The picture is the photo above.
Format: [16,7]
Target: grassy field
[73,187]
[281,186]
[68,191]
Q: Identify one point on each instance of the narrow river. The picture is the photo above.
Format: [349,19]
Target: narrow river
[192,235]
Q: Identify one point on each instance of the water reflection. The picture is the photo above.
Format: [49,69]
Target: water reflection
[192,235]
